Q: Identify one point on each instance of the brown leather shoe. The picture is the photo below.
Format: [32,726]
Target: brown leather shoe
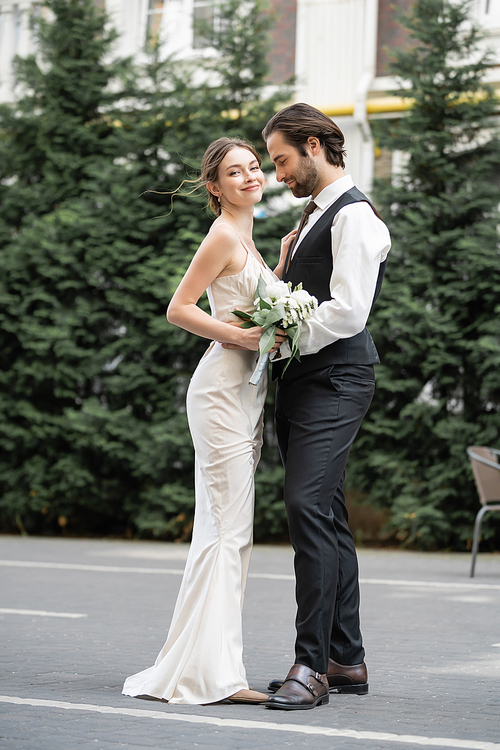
[342,678]
[347,679]
[302,688]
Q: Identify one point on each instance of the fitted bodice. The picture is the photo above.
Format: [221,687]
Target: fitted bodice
[237,292]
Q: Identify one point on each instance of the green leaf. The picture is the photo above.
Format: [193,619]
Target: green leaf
[241,314]
[269,317]
[266,342]
[279,311]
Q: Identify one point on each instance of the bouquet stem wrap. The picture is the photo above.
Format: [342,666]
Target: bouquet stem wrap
[277,306]
[259,369]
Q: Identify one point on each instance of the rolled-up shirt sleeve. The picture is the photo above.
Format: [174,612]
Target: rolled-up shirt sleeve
[360,243]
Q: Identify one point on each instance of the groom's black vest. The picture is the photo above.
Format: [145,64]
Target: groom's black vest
[312,265]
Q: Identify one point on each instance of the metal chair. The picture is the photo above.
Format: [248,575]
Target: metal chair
[486,471]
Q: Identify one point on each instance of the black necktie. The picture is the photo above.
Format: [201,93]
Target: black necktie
[311,206]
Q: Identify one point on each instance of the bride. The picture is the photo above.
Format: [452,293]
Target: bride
[202,659]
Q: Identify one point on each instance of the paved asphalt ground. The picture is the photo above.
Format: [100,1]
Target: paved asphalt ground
[78,616]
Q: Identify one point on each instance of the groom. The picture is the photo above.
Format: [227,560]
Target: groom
[339,255]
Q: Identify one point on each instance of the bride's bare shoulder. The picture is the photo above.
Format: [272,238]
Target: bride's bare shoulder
[221,237]
[223,230]
[220,245]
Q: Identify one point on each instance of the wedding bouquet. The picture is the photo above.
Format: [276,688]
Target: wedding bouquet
[277,306]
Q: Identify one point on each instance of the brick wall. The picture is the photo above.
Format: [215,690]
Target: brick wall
[282,53]
[390,33]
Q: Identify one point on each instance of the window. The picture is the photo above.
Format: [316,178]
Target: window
[488,13]
[203,23]
[153,22]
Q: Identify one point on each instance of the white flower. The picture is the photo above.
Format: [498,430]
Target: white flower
[282,301]
[302,297]
[277,289]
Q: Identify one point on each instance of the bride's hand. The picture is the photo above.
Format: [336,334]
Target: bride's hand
[285,244]
[250,337]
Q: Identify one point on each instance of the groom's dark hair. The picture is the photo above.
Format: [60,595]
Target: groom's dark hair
[300,121]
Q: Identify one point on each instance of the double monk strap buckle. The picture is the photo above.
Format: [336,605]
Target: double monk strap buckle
[302,688]
[312,688]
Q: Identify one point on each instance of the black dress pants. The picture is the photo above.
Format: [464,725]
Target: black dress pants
[317,418]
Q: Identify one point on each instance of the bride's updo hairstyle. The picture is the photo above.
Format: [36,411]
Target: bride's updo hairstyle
[211,162]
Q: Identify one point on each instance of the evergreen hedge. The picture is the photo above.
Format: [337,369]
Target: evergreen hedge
[93,432]
[436,323]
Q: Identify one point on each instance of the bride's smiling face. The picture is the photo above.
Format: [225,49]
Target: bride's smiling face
[240,180]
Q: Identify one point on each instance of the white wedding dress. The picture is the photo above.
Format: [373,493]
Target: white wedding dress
[202,659]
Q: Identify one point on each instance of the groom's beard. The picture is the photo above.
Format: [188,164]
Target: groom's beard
[306,177]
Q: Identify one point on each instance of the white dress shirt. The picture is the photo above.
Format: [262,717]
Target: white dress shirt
[360,243]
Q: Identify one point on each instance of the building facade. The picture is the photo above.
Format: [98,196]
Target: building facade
[337,49]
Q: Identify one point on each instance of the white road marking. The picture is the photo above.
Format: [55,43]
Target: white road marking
[40,613]
[90,568]
[147,552]
[410,739]
[430,584]
[271,576]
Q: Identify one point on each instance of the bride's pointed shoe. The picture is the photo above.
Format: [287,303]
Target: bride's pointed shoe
[247,696]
